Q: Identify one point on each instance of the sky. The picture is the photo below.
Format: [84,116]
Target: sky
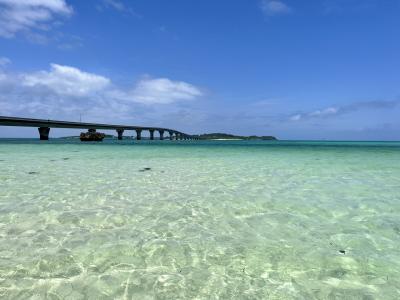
[315,69]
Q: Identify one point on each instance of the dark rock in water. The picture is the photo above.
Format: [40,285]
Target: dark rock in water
[338,273]
[32,173]
[92,136]
[65,158]
[342,251]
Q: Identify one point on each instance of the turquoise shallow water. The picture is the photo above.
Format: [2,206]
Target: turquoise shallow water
[208,220]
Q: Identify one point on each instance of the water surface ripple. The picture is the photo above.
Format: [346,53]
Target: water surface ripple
[199,220]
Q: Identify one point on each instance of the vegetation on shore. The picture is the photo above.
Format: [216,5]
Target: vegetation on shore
[225,136]
[106,136]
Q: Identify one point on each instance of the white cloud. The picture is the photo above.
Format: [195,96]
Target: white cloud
[164,90]
[65,80]
[275,7]
[25,15]
[325,112]
[296,117]
[330,111]
[345,109]
[65,92]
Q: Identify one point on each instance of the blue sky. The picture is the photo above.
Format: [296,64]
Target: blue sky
[315,69]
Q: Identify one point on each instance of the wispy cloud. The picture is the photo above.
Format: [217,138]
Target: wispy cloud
[68,42]
[275,7]
[343,6]
[27,15]
[4,61]
[340,110]
[117,5]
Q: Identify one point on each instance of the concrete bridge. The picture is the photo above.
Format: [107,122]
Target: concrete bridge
[45,125]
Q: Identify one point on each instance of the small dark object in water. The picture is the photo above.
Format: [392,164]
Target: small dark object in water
[1,159]
[33,173]
[65,158]
[342,251]
[92,136]
[145,169]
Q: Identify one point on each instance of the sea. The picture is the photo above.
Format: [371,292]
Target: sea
[199,219]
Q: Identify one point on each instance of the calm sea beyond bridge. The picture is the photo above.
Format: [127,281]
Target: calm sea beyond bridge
[45,125]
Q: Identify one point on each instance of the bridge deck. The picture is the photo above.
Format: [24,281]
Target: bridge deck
[27,122]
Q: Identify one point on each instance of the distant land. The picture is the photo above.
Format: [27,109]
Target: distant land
[225,136]
[205,136]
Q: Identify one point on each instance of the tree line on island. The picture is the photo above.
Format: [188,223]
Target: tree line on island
[226,136]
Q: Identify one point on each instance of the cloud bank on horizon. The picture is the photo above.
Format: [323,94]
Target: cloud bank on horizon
[307,70]
[67,91]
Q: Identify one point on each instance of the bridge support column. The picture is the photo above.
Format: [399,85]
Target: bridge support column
[161,134]
[138,134]
[171,135]
[120,133]
[44,133]
[151,134]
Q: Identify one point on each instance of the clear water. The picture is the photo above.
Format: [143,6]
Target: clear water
[209,220]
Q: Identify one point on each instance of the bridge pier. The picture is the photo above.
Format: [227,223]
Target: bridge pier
[151,134]
[120,133]
[161,132]
[171,135]
[44,133]
[138,134]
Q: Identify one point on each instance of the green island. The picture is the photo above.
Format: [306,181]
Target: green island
[225,136]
